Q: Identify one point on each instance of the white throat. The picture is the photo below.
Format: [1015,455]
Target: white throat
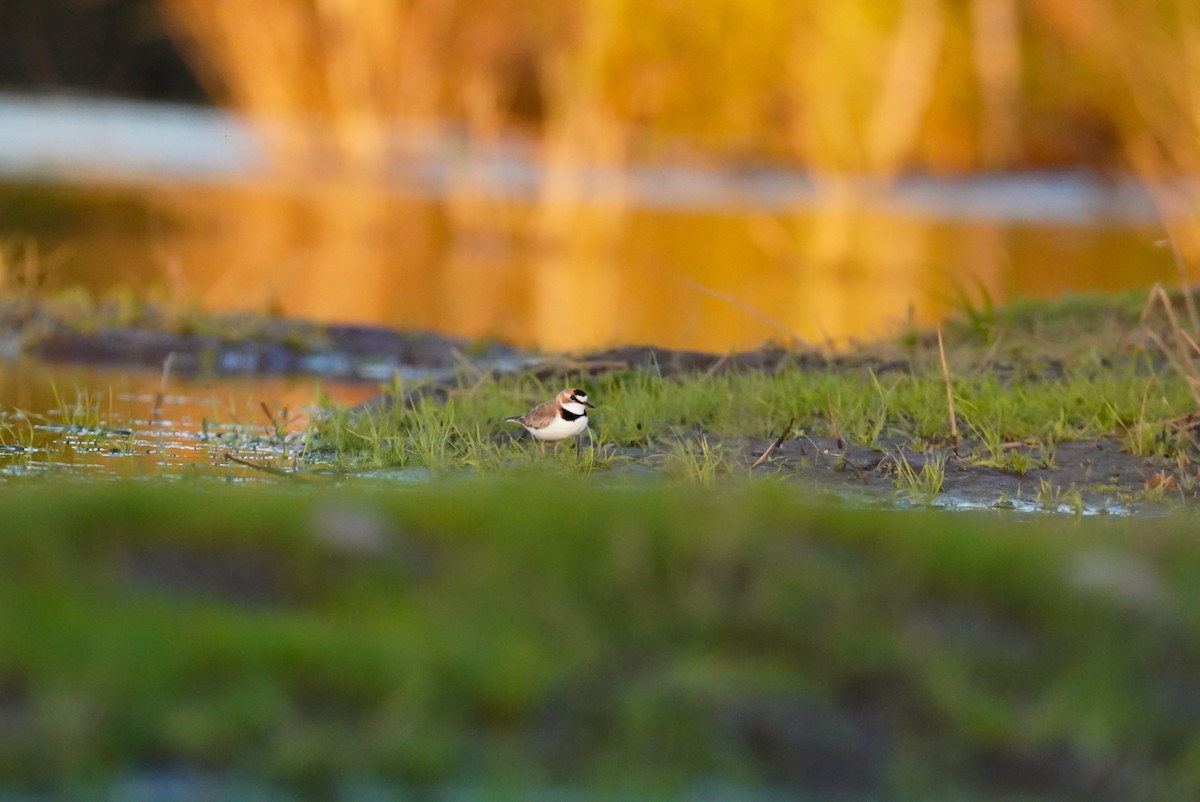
[574,407]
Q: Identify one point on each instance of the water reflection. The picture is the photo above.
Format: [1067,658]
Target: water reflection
[710,280]
[484,240]
[96,422]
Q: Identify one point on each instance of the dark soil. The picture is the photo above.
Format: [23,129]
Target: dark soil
[240,345]
[1103,473]
[1091,475]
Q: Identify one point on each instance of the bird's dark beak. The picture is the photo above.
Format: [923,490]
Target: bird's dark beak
[586,403]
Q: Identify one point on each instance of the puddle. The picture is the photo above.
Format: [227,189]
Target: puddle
[107,423]
[833,488]
[1029,506]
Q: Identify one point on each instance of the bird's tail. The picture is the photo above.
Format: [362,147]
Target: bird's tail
[513,419]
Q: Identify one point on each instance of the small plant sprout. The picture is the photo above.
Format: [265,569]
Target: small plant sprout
[920,482]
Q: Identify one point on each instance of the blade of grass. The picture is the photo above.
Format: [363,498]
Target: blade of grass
[949,391]
[774,445]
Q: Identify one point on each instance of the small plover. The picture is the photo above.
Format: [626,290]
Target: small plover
[565,416]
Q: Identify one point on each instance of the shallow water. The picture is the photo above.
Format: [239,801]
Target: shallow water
[175,203]
[102,423]
[711,281]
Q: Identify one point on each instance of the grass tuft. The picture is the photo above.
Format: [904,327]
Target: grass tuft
[920,483]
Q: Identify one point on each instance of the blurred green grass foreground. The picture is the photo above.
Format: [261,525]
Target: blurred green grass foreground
[551,635]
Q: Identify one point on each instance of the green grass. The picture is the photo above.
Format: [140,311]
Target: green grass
[542,630]
[1041,376]
[639,410]
[696,460]
[920,483]
[1035,377]
[83,415]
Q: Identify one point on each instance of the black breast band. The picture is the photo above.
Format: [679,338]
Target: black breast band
[568,415]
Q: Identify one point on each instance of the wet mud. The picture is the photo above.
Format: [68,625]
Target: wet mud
[1096,475]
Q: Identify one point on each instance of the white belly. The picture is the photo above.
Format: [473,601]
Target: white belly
[560,429]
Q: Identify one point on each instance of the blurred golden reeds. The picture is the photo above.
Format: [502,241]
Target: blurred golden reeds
[1147,52]
[341,84]
[858,91]
[869,86]
[343,89]
[855,85]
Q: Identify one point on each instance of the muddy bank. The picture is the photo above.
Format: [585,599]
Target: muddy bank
[80,330]
[1077,474]
[257,345]
[1093,476]
[235,344]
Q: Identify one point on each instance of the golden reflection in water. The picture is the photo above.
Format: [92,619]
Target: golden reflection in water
[199,420]
[707,281]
